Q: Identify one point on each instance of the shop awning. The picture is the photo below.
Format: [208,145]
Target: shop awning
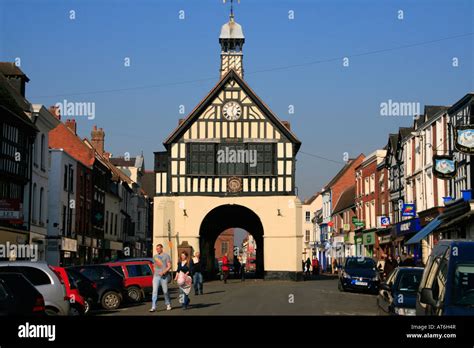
[425,231]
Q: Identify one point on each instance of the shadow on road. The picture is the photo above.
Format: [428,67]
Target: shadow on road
[202,305]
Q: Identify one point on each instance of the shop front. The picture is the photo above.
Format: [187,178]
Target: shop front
[369,240]
[68,252]
[113,249]
[401,233]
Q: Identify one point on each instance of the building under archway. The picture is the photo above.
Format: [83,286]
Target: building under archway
[220,219]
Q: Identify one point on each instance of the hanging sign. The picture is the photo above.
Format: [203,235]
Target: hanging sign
[444,167]
[464,139]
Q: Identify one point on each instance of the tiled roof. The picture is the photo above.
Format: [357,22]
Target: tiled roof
[62,137]
[346,201]
[10,69]
[312,198]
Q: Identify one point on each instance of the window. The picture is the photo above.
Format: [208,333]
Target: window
[232,159]
[35,275]
[464,285]
[366,186]
[201,159]
[139,271]
[265,156]
[71,180]
[42,151]
[115,227]
[41,198]
[308,216]
[33,202]
[65,178]
[64,219]
[107,222]
[306,236]
[118,269]
[224,247]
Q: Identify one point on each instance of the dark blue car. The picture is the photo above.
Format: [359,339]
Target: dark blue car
[359,274]
[397,295]
[447,285]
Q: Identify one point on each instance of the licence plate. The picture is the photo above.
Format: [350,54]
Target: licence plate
[361,283]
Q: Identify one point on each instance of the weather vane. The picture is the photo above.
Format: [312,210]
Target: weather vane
[231,7]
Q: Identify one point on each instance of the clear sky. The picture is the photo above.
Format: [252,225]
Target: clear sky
[287,61]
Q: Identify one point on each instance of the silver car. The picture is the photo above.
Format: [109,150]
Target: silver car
[45,281]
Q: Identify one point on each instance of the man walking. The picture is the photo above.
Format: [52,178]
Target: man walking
[161,276]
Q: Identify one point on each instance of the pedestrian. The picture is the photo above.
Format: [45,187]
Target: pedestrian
[196,272]
[243,263]
[307,267]
[225,267]
[161,277]
[184,279]
[314,265]
[334,266]
[236,267]
[390,265]
[398,260]
[409,261]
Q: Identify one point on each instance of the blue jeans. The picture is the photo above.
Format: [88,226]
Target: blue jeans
[183,298]
[157,282]
[198,280]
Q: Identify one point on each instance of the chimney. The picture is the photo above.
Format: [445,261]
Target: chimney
[286,124]
[55,111]
[98,136]
[71,124]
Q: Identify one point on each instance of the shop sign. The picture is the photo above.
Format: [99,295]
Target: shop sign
[358,240]
[347,227]
[385,239]
[11,209]
[444,167]
[408,209]
[68,244]
[383,221]
[409,226]
[88,241]
[369,238]
[464,139]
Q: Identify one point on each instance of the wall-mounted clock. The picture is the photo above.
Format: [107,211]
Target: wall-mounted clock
[232,110]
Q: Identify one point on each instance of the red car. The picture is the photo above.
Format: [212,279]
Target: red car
[78,305]
[138,277]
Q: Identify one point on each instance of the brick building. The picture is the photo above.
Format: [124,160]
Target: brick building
[225,244]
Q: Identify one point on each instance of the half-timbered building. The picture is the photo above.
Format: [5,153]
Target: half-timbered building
[230,163]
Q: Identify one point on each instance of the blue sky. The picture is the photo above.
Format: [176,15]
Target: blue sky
[175,62]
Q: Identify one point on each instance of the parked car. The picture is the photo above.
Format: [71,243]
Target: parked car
[359,274]
[138,277]
[87,288]
[110,284]
[447,285]
[397,295]
[77,302]
[19,297]
[46,282]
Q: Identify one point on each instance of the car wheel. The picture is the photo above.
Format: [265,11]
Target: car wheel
[110,300]
[51,311]
[87,306]
[135,294]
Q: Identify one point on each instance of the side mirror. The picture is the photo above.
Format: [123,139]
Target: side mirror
[426,297]
[385,286]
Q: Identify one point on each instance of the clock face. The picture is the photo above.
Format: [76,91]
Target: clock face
[232,110]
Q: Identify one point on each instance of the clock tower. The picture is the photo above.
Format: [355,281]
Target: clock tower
[231,40]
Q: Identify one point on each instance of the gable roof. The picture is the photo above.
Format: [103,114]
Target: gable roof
[12,101]
[122,162]
[65,138]
[231,75]
[347,200]
[312,198]
[10,69]
[341,172]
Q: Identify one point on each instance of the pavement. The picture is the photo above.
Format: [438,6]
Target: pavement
[318,296]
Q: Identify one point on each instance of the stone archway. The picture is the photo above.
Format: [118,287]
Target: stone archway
[227,216]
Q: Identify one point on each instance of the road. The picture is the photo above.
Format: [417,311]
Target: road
[258,297]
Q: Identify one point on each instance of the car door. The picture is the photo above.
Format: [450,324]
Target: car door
[141,274]
[385,298]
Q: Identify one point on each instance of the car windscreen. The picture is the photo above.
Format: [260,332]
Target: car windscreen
[409,281]
[360,263]
[463,292]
